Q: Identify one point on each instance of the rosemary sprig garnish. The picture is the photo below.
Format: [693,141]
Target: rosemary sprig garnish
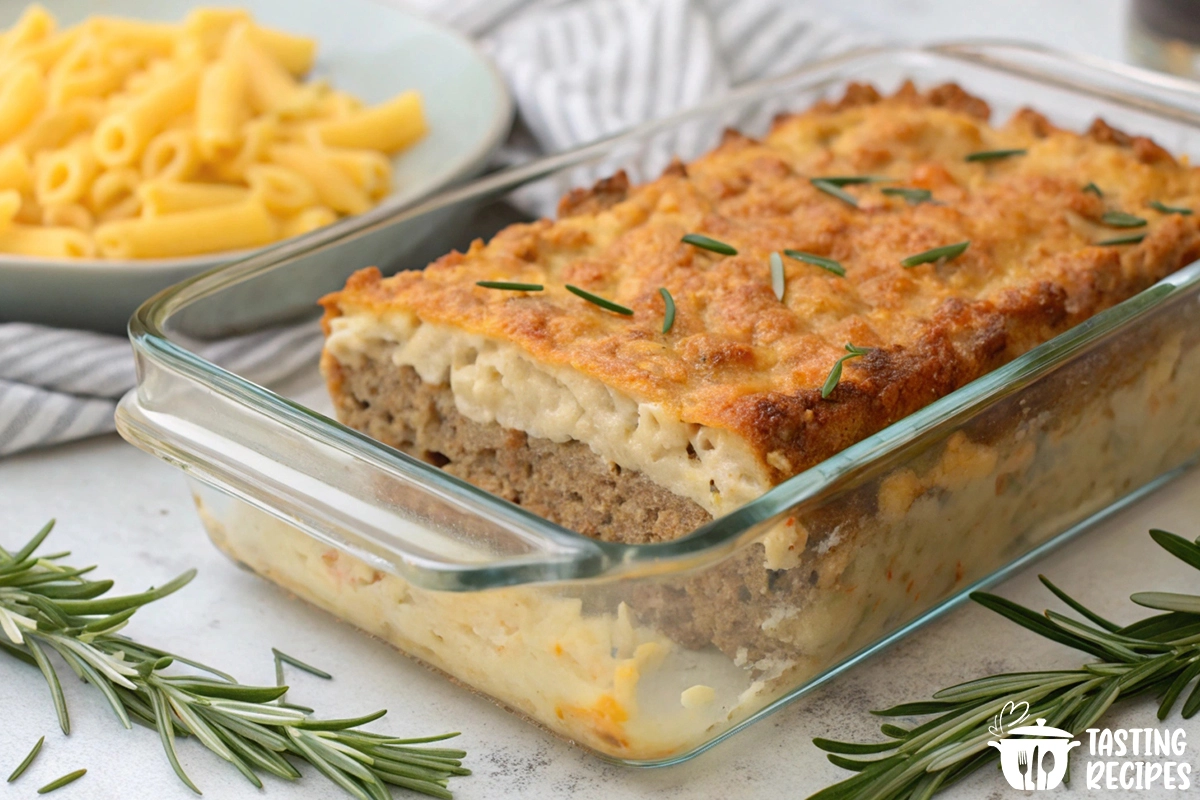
[835,374]
[70,777]
[912,196]
[817,261]
[852,180]
[995,155]
[46,606]
[1158,655]
[1132,238]
[607,305]
[778,278]
[283,658]
[669,314]
[706,243]
[948,252]
[24,765]
[834,190]
[511,287]
[1094,189]
[1119,219]
[1166,209]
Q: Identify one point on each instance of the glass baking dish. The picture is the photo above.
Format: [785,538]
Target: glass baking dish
[648,654]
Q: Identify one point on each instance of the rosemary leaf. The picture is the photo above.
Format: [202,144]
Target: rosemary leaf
[24,765]
[835,374]
[1132,238]
[1165,209]
[1119,219]
[295,662]
[778,279]
[669,314]
[995,155]
[1093,189]
[817,261]
[705,243]
[607,305]
[852,180]
[58,783]
[511,287]
[913,196]
[834,190]
[948,252]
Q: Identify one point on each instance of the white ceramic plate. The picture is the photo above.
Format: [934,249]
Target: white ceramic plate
[364,47]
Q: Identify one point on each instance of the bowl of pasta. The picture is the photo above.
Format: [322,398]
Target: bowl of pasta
[161,139]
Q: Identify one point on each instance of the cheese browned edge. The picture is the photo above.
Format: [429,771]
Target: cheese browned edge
[727,403]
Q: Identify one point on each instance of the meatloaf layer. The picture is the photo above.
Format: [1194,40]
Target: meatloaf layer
[692,422]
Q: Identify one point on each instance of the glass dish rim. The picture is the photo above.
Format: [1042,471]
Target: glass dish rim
[597,559]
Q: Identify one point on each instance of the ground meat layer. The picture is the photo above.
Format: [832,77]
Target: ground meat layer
[565,482]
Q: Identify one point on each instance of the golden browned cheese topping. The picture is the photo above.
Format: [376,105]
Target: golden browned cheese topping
[739,359]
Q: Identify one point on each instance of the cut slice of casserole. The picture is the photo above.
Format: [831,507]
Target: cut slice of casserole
[608,425]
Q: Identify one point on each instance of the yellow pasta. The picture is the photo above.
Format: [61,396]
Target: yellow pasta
[334,187]
[308,220]
[389,126]
[121,137]
[113,189]
[169,197]
[65,175]
[230,227]
[22,94]
[67,215]
[221,108]
[10,204]
[171,156]
[36,240]
[126,138]
[282,190]
[369,169]
[15,171]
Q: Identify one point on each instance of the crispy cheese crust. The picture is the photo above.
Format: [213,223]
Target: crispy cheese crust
[738,359]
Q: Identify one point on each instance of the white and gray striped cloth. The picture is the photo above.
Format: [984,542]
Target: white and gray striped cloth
[578,70]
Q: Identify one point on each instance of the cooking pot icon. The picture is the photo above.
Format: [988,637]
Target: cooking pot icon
[1021,759]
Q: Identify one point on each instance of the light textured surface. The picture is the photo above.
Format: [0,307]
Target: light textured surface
[132,515]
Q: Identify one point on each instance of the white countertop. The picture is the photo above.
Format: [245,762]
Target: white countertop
[133,516]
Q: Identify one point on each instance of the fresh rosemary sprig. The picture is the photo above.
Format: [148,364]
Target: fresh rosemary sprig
[24,765]
[1094,189]
[834,190]
[778,278]
[817,261]
[669,314]
[1119,219]
[607,305]
[913,196]
[948,252]
[1158,655]
[852,180]
[706,243]
[45,606]
[1163,208]
[995,155]
[835,374]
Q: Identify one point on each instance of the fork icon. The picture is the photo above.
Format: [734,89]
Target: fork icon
[1025,769]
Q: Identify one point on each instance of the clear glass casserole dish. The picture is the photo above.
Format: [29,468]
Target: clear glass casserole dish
[648,654]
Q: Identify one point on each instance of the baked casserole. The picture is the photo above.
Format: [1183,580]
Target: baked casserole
[786,297]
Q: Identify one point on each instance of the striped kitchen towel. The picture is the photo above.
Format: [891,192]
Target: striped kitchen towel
[578,70]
